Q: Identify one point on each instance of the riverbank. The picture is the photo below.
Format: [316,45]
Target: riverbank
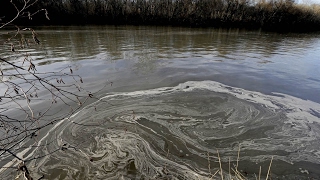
[270,16]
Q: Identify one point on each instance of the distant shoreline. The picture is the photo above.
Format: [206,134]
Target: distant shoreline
[279,16]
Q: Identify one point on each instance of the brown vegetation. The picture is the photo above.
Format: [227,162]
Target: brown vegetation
[281,15]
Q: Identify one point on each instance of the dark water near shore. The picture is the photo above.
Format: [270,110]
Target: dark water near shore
[179,94]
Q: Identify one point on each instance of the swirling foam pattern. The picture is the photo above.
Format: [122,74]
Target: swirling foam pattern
[172,132]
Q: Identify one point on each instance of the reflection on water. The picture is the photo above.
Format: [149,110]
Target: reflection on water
[254,60]
[166,133]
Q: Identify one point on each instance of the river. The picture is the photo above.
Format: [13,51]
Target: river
[178,97]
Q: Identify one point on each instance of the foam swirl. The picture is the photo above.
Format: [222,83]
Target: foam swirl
[168,133]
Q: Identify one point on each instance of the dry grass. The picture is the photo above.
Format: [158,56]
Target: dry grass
[270,15]
[236,174]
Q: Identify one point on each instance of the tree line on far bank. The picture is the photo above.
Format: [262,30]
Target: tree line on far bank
[277,15]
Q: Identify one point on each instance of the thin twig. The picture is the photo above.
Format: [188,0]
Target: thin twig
[221,173]
[269,168]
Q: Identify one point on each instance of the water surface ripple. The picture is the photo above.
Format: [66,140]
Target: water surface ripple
[178,96]
[168,133]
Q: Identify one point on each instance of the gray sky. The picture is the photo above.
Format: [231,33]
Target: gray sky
[309,1]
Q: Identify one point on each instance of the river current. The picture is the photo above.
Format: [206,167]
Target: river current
[183,102]
[167,133]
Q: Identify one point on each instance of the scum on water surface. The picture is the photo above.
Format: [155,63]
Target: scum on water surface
[168,133]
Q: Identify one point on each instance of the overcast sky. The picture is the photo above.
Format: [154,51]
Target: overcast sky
[308,1]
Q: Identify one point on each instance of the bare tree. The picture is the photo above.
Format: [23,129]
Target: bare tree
[30,100]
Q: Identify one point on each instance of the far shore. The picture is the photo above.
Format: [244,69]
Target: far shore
[278,15]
